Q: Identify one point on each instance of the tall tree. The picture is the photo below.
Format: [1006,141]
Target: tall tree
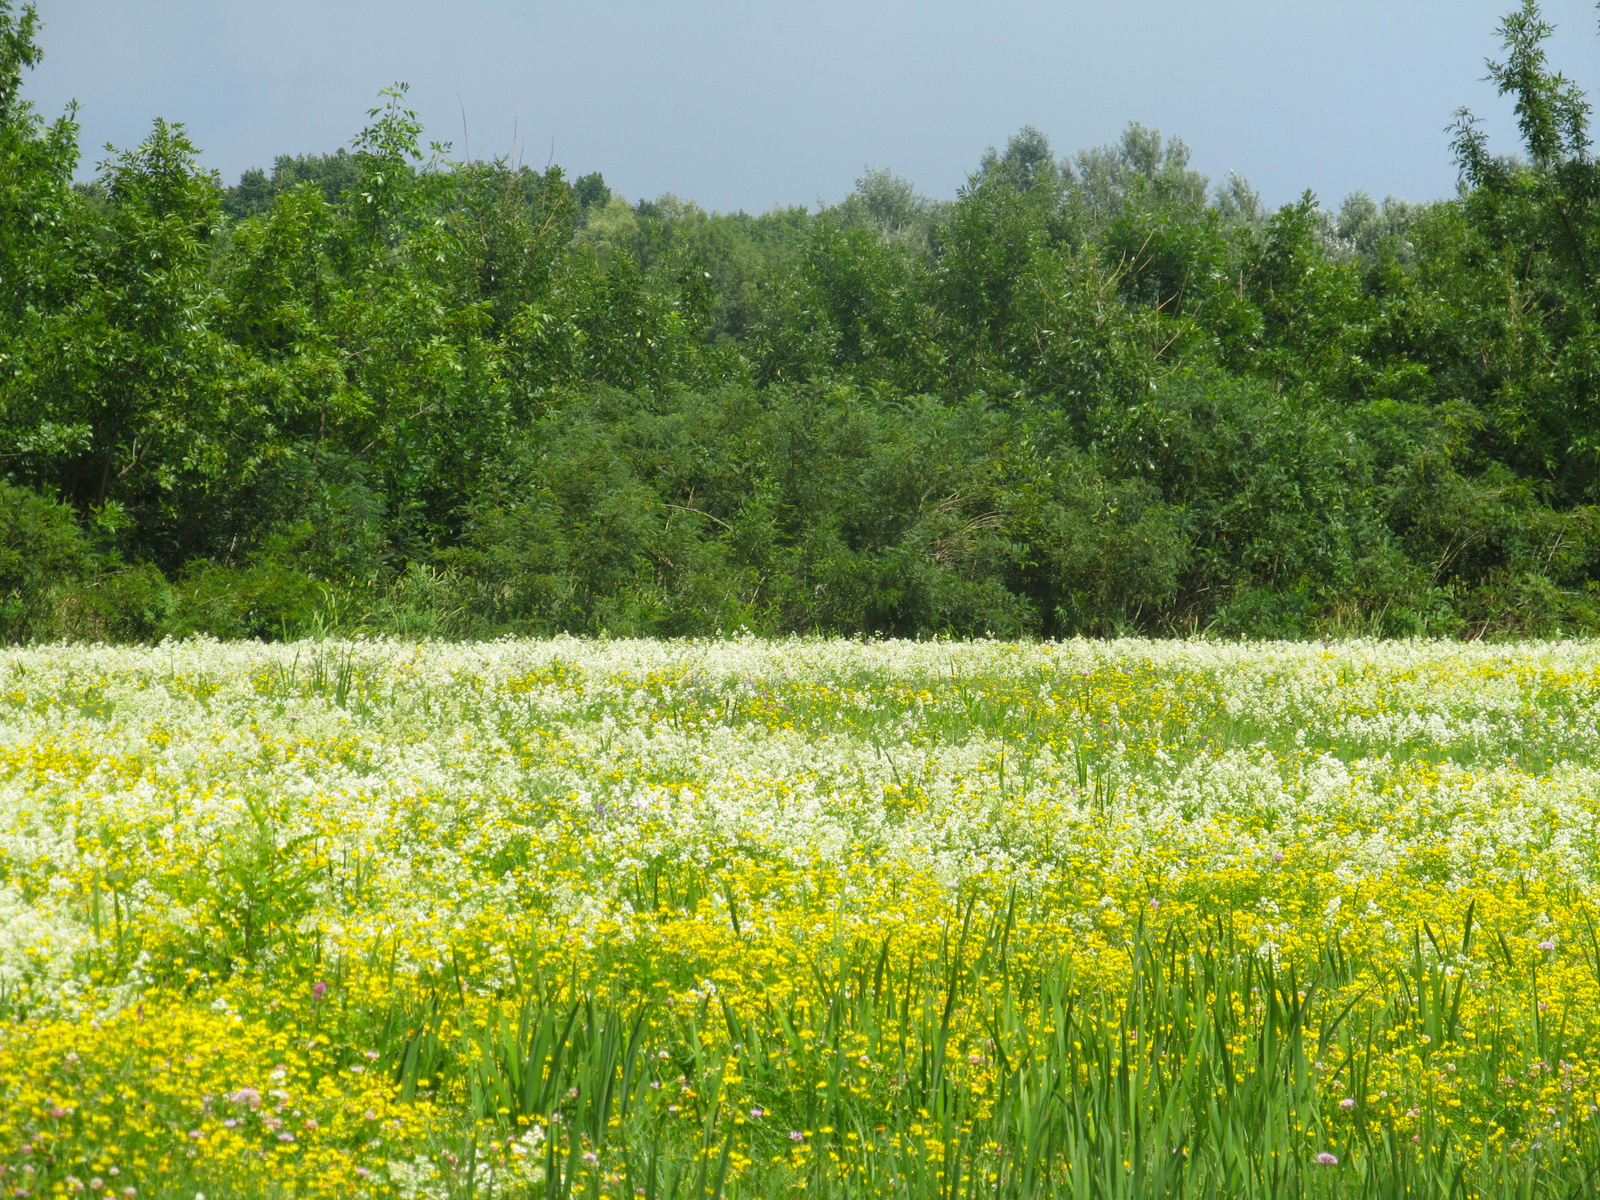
[1534,227]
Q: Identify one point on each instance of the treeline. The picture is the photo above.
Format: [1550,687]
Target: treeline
[380,390]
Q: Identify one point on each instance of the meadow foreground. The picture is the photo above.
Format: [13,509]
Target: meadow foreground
[751,918]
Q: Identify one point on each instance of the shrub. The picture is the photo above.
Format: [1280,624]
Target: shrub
[270,597]
[116,604]
[42,553]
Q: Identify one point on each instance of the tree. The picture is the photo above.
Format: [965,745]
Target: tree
[591,192]
[1140,170]
[39,212]
[1026,163]
[1534,226]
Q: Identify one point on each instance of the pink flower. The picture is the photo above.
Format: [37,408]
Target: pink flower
[318,988]
[1547,945]
[1327,1160]
[1347,1103]
[796,1136]
[1278,856]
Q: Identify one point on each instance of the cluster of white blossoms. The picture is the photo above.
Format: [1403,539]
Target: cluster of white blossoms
[135,783]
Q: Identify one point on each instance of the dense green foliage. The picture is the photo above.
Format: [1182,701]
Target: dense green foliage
[381,389]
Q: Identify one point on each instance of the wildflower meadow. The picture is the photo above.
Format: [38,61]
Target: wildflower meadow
[750,918]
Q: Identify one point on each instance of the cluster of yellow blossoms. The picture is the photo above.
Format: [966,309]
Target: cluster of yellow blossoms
[741,916]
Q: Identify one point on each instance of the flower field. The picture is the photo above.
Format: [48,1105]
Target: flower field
[751,918]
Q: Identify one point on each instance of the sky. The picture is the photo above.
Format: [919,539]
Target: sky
[747,104]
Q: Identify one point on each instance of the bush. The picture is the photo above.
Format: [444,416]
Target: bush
[43,553]
[270,597]
[116,604]
[1097,556]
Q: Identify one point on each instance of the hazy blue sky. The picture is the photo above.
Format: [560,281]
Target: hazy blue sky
[750,103]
